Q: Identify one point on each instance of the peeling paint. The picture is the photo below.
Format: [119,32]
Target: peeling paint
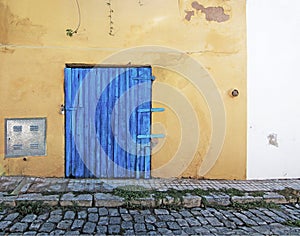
[189,15]
[273,140]
[212,13]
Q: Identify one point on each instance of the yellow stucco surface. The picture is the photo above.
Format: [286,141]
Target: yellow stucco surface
[34,49]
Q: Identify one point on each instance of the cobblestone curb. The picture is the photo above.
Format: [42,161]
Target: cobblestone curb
[110,200]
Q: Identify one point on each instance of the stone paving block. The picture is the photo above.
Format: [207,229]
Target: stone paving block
[164,231]
[29,218]
[57,212]
[30,233]
[103,211]
[35,225]
[85,185]
[101,229]
[173,225]
[69,199]
[245,199]
[182,222]
[221,200]
[150,219]
[43,216]
[103,220]
[161,212]
[51,200]
[113,212]
[214,221]
[92,210]
[82,214]
[89,228]
[12,216]
[147,202]
[168,200]
[192,221]
[139,218]
[114,229]
[8,184]
[217,200]
[41,185]
[93,217]
[275,198]
[64,224]
[77,224]
[71,233]
[127,225]
[245,219]
[8,200]
[160,224]
[55,218]
[191,201]
[69,215]
[4,225]
[115,220]
[150,227]
[185,213]
[58,232]
[47,227]
[166,218]
[108,200]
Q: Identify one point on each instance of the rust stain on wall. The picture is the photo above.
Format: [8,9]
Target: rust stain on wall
[211,13]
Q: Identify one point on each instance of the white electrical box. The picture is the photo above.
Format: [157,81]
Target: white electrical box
[25,137]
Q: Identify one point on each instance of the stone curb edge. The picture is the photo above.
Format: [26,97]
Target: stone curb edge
[110,200]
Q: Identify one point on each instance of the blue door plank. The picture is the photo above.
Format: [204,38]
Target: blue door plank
[113,160]
[68,122]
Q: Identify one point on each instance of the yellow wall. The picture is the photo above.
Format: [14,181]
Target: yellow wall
[34,50]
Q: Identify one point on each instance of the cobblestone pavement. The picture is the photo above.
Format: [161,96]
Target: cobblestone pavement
[33,185]
[43,206]
[112,221]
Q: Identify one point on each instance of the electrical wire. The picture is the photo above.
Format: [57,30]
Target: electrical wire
[79,17]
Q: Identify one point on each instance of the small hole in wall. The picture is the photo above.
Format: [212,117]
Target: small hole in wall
[24,159]
[273,140]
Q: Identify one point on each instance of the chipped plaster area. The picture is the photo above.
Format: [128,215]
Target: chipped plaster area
[216,14]
[273,140]
[16,29]
[189,15]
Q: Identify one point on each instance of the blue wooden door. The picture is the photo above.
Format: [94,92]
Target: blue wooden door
[108,122]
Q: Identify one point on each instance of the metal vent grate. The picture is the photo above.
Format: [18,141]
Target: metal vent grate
[17,128]
[34,146]
[34,128]
[17,146]
[25,137]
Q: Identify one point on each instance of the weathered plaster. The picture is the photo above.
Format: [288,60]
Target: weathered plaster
[35,50]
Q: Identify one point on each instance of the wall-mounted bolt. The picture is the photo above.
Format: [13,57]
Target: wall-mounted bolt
[235,93]
[62,109]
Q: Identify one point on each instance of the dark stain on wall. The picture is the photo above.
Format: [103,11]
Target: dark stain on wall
[189,15]
[211,13]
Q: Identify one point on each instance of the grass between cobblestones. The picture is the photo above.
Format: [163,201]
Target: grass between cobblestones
[162,198]
[136,192]
[293,223]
